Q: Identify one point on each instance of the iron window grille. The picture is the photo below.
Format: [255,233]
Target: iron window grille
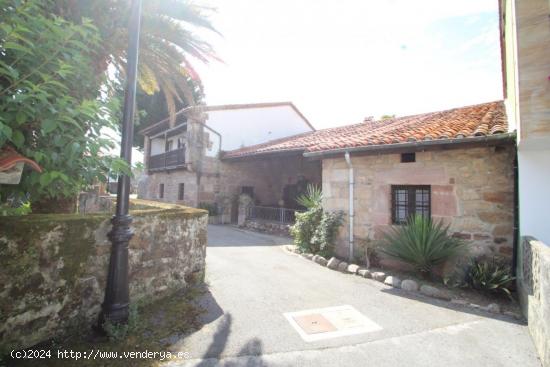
[408,200]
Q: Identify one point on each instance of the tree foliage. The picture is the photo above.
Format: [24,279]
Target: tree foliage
[51,106]
[167,44]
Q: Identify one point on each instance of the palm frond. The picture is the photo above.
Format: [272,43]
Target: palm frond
[312,198]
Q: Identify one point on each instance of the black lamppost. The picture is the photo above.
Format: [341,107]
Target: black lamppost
[115,304]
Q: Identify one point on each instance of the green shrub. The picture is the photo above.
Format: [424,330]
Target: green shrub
[490,276]
[422,243]
[315,230]
[119,332]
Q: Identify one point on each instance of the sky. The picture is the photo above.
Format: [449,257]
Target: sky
[341,61]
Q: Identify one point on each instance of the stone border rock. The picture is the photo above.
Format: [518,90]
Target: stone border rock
[407,285]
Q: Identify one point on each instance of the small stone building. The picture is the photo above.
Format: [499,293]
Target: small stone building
[188,161]
[456,165]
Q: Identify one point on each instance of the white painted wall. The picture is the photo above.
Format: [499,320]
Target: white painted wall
[157,146]
[534,193]
[249,126]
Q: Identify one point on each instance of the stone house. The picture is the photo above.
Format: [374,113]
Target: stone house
[185,161]
[456,165]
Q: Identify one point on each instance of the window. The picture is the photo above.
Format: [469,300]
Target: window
[181,143]
[408,200]
[408,157]
[248,190]
[161,191]
[169,145]
[181,191]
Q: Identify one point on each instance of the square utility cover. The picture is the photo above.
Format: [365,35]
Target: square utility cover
[331,322]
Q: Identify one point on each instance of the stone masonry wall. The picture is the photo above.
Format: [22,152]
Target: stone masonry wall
[267,176]
[54,267]
[171,180]
[472,189]
[533,281]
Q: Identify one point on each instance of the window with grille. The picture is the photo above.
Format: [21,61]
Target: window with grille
[409,200]
[181,191]
[161,191]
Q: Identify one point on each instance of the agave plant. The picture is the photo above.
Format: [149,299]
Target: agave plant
[312,198]
[422,243]
[490,276]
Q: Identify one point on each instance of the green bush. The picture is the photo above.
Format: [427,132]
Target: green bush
[315,230]
[422,243]
[490,276]
[55,108]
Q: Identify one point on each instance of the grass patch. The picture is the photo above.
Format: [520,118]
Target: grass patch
[153,327]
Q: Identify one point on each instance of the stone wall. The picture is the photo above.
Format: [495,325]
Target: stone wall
[150,187]
[471,189]
[533,281]
[268,176]
[275,228]
[54,267]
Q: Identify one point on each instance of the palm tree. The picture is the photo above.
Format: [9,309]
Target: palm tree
[165,46]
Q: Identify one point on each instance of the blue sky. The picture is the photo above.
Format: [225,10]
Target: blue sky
[340,61]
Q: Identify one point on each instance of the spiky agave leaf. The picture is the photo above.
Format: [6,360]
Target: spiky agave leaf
[422,243]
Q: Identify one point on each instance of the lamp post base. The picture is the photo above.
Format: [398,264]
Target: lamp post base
[115,305]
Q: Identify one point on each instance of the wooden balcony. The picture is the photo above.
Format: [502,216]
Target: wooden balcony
[173,159]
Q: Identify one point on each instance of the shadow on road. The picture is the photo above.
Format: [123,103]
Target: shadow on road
[251,351]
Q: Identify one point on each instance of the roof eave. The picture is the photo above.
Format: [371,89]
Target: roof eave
[505,138]
[263,154]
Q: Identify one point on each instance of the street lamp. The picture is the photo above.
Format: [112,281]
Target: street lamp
[115,303]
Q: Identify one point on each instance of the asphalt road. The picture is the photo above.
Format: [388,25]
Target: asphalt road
[252,282]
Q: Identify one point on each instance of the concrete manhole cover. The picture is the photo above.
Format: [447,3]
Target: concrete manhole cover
[331,322]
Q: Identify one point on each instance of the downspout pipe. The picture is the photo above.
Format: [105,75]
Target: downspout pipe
[351,213]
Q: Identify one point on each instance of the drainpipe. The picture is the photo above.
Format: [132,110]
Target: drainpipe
[516,218]
[351,210]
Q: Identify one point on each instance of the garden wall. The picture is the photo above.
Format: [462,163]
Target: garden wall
[54,267]
[275,228]
[533,280]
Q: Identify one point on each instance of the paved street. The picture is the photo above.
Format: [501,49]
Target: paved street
[253,282]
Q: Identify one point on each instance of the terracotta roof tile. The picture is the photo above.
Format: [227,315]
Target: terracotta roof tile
[478,120]
[9,158]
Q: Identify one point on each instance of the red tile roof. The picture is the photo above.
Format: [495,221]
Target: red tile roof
[9,159]
[457,123]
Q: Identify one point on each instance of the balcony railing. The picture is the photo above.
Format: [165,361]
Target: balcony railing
[271,214]
[169,160]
